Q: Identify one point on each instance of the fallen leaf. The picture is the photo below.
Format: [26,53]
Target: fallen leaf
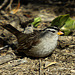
[16,9]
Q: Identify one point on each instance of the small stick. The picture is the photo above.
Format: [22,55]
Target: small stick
[9,6]
[4,3]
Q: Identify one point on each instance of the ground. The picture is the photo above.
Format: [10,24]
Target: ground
[60,62]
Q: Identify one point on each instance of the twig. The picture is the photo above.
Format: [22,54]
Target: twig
[16,9]
[4,3]
[39,66]
[1,48]
[9,6]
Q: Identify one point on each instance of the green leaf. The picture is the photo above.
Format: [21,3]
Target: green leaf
[65,23]
[60,20]
[69,26]
[36,21]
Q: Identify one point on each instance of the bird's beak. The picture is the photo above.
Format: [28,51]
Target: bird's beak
[60,33]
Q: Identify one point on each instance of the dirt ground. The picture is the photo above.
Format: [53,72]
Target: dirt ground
[60,62]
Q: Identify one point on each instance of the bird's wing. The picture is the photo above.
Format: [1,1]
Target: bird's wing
[29,41]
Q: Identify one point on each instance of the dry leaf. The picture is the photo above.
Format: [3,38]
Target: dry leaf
[15,10]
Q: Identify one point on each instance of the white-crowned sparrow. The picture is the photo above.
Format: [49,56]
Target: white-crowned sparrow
[40,43]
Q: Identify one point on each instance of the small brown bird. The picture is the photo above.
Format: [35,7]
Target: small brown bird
[40,43]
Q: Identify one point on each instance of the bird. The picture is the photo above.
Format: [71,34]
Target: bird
[39,43]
